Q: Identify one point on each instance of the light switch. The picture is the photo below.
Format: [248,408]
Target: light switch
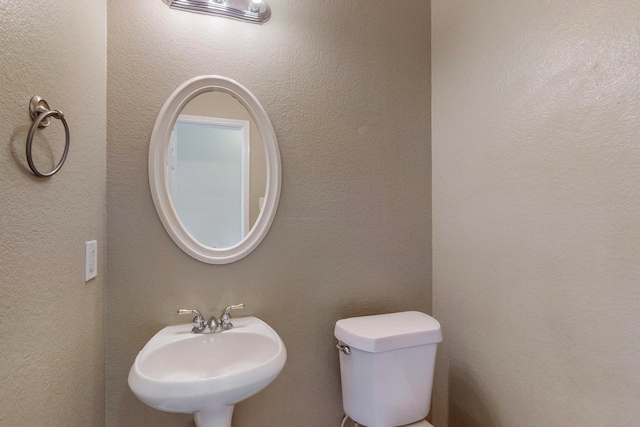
[91,260]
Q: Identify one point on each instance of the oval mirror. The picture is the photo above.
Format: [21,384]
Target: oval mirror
[214,169]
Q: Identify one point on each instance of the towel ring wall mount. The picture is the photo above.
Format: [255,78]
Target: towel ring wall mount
[41,116]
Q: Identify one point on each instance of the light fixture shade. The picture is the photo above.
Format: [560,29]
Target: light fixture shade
[253,11]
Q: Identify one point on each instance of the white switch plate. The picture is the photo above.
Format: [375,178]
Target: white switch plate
[90,260]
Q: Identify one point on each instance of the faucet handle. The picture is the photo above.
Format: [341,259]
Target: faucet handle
[198,321]
[225,318]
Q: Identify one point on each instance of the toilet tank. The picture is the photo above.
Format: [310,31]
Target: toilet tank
[387,378]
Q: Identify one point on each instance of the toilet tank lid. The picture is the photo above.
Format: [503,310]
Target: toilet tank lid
[383,332]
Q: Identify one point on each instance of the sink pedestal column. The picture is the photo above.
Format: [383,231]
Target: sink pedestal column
[220,417]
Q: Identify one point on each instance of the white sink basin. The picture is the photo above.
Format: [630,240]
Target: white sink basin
[207,374]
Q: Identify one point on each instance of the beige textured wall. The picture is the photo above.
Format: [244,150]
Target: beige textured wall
[536,216]
[51,321]
[346,85]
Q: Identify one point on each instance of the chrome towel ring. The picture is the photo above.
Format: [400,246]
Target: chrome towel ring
[40,114]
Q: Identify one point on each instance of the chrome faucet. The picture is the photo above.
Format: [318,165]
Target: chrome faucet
[199,325]
[213,324]
[225,318]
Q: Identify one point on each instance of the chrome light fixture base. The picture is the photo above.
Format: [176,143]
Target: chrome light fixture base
[254,11]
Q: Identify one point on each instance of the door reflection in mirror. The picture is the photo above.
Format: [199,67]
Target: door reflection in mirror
[216,169]
[208,170]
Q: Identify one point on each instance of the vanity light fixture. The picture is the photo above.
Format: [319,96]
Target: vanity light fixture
[255,11]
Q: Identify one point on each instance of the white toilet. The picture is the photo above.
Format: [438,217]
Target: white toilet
[386,365]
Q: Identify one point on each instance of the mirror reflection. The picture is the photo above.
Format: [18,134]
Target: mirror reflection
[216,169]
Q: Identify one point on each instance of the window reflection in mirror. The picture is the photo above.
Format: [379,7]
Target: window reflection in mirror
[216,169]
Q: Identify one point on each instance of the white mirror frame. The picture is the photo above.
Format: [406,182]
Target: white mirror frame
[157,170]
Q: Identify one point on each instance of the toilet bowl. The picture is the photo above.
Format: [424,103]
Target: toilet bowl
[386,367]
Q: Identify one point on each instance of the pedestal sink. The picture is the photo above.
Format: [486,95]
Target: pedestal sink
[207,374]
